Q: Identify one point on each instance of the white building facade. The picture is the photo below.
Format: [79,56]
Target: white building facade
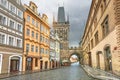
[11,35]
[54,50]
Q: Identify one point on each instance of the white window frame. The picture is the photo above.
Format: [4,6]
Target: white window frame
[5,37]
[6,19]
[14,23]
[21,15]
[11,5]
[20,43]
[5,5]
[21,30]
[13,40]
[1,59]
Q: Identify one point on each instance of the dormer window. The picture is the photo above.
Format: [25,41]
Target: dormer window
[18,1]
[33,8]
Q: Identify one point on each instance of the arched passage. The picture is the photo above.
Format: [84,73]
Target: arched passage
[74,57]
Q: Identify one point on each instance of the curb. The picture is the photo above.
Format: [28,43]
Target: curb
[100,77]
[20,74]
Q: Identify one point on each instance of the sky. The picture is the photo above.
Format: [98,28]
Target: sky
[76,9]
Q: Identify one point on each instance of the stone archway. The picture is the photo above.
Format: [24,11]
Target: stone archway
[65,58]
[76,54]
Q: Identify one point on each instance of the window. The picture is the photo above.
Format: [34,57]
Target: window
[105,2]
[36,62]
[33,34]
[27,47]
[37,24]
[33,21]
[32,48]
[4,3]
[43,39]
[36,49]
[95,22]
[19,27]
[101,9]
[3,20]
[47,51]
[28,18]
[37,36]
[96,37]
[105,27]
[2,39]
[28,32]
[12,8]
[19,42]
[91,43]
[41,28]
[33,8]
[20,14]
[18,1]
[11,40]
[42,50]
[61,46]
[12,24]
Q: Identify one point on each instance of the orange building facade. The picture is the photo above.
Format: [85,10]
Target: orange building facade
[36,39]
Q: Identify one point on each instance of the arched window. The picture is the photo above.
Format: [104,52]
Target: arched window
[108,58]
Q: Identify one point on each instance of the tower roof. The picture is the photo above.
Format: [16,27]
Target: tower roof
[61,14]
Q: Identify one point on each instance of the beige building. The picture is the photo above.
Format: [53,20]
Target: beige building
[101,39]
[36,39]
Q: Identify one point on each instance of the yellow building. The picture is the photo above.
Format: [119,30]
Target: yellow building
[101,36]
[36,32]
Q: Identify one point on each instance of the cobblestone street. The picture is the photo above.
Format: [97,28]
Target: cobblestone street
[74,72]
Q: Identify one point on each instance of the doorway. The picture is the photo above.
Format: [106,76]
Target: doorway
[90,59]
[46,64]
[98,60]
[108,59]
[41,65]
[29,62]
[14,64]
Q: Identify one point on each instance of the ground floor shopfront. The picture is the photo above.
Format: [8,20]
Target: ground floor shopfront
[44,63]
[54,64]
[35,63]
[10,62]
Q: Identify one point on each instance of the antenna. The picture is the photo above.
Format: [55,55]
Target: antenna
[60,3]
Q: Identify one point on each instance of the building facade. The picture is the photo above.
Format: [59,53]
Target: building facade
[61,27]
[11,35]
[100,41]
[54,50]
[36,39]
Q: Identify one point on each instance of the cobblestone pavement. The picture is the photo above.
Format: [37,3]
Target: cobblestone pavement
[74,72]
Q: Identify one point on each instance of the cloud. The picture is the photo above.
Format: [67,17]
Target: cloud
[77,10]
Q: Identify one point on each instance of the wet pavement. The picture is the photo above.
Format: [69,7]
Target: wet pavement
[74,72]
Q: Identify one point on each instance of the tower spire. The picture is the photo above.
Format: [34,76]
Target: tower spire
[68,18]
[61,14]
